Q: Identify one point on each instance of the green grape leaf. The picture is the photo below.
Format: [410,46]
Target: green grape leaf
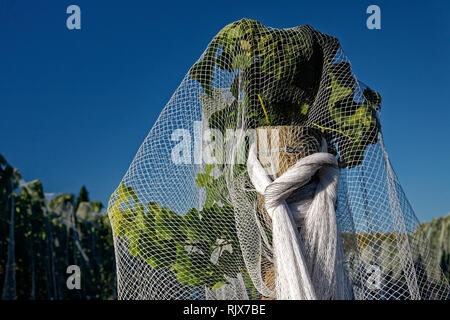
[218,285]
[186,271]
[167,224]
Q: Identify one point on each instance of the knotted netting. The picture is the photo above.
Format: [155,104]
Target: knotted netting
[265,177]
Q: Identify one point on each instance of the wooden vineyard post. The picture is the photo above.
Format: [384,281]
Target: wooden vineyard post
[279,148]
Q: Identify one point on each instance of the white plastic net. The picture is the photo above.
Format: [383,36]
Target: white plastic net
[190,223]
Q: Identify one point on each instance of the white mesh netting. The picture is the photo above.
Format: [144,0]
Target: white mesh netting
[266,177]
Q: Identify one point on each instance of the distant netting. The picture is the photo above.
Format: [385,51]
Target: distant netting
[190,223]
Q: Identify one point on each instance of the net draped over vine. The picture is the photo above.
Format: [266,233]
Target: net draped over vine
[187,219]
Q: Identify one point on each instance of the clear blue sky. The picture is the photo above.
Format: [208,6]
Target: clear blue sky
[76,105]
